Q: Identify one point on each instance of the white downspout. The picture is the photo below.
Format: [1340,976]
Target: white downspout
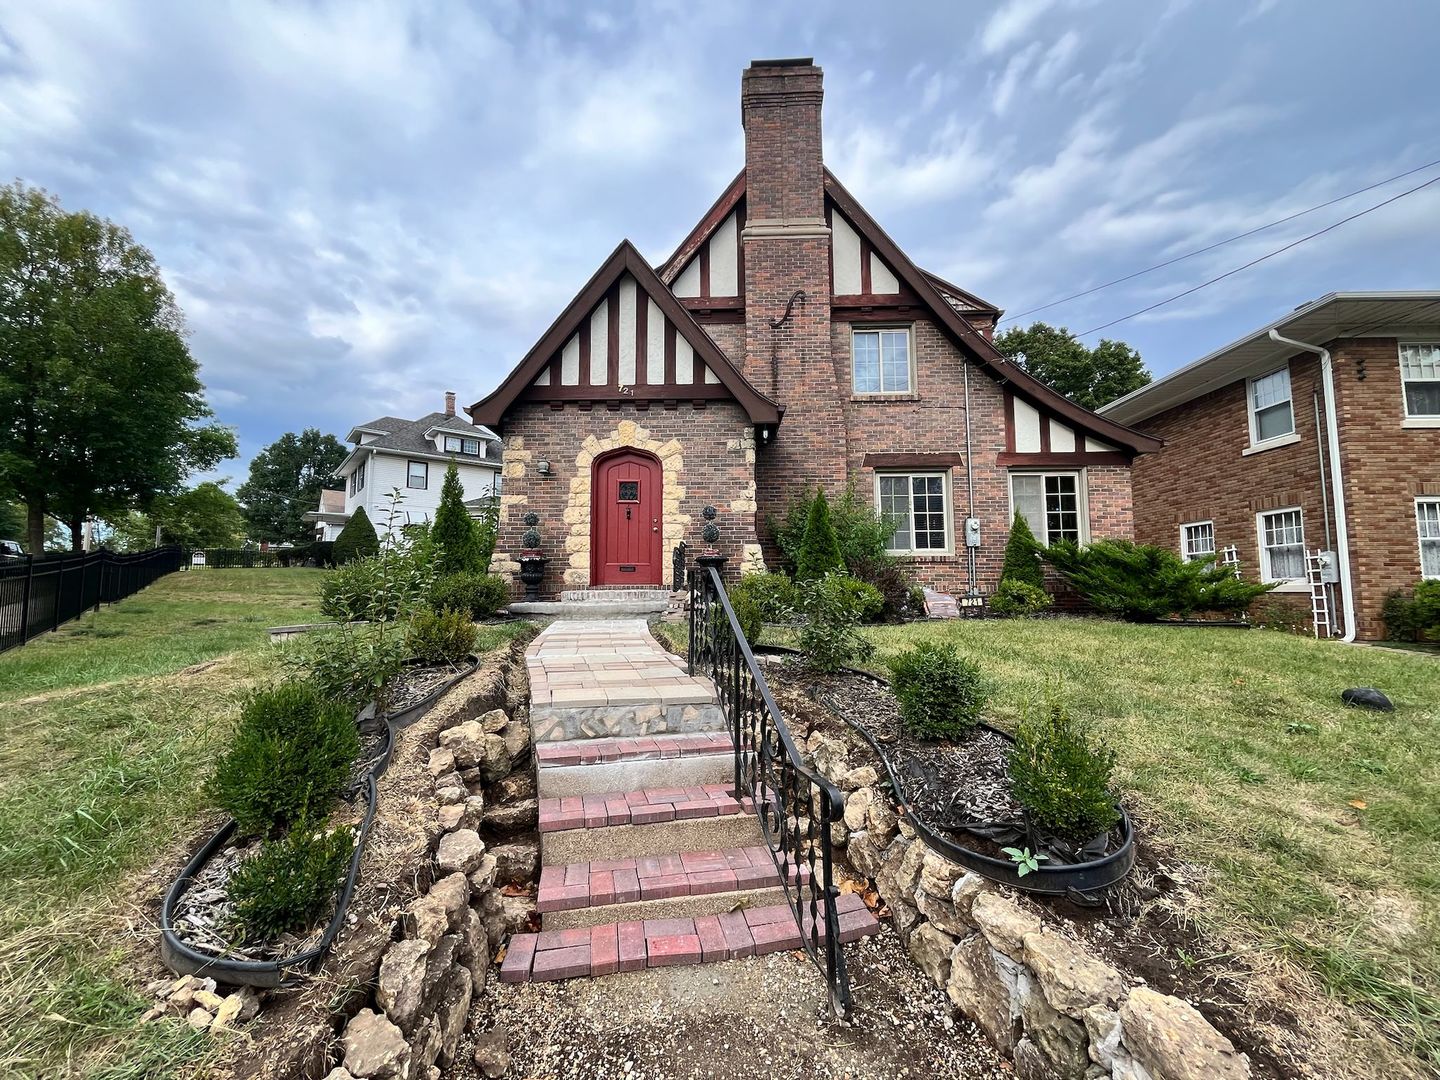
[1337,483]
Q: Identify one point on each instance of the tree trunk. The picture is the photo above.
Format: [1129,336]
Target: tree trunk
[77,534]
[35,526]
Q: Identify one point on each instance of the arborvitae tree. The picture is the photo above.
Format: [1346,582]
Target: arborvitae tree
[820,551]
[357,539]
[1022,561]
[454,531]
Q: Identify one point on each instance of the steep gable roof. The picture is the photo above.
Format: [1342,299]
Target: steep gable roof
[625,260]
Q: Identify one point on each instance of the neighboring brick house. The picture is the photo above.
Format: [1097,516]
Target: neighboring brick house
[411,456]
[788,343]
[1249,458]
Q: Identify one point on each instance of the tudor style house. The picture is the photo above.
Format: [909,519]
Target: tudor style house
[788,343]
[1318,432]
[412,456]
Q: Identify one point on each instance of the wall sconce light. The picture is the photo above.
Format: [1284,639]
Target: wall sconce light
[543,467]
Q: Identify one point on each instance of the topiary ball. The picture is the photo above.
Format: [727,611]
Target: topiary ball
[532,519]
[709,513]
[530,538]
[711,532]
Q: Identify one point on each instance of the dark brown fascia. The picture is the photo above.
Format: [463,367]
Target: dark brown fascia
[722,208]
[970,340]
[490,410]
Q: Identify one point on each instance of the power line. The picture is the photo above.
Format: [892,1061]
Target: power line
[1262,258]
[1220,243]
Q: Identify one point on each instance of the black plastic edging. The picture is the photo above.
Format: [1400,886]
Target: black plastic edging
[1077,881]
[407,716]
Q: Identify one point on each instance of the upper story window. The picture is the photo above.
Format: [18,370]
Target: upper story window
[1282,546]
[1427,524]
[1049,503]
[881,361]
[459,444]
[1420,374]
[917,505]
[1197,540]
[357,478]
[417,475]
[1271,413]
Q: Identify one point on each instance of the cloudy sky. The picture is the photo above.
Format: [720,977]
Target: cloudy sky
[361,205]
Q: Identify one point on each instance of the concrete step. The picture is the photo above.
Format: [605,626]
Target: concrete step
[687,883]
[617,593]
[634,944]
[589,609]
[594,766]
[654,821]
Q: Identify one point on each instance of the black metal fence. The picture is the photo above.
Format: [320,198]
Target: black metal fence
[41,594]
[796,805]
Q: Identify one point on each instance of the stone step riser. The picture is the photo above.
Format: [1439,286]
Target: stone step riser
[654,838]
[621,594]
[557,781]
[558,723]
[669,907]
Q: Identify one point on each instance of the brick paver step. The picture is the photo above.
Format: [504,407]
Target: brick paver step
[660,877]
[642,943]
[640,807]
[645,748]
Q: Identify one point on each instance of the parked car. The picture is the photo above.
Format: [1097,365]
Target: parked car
[11,549]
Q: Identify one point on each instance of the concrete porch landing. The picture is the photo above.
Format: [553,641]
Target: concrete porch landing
[608,677]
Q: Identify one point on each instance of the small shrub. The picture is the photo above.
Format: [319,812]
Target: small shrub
[290,883]
[1022,555]
[441,637]
[887,575]
[352,664]
[939,691]
[866,598]
[291,756]
[915,602]
[1402,621]
[820,550]
[829,637]
[479,594]
[755,599]
[380,588]
[1015,597]
[862,533]
[1060,773]
[357,539]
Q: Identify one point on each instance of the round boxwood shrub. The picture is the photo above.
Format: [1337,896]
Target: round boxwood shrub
[290,883]
[1015,597]
[1060,772]
[440,637]
[291,757]
[479,595]
[939,691]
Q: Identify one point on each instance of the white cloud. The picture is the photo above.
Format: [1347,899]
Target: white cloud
[1011,22]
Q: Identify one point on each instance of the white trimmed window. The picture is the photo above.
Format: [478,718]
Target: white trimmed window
[881,360]
[417,475]
[1051,505]
[919,506]
[357,478]
[1197,539]
[1271,413]
[458,444]
[1282,545]
[1420,373]
[1427,524]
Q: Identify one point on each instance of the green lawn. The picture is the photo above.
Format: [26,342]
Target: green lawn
[1318,826]
[107,738]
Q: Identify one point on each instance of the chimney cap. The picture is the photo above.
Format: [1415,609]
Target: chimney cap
[794,61]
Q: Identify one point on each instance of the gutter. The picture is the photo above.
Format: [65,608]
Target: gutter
[1337,485]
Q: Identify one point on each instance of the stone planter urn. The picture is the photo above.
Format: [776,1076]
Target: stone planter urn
[532,560]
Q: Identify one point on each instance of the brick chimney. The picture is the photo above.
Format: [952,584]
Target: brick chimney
[449,402]
[787,279]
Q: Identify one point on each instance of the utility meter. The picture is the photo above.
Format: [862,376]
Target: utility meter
[972,532]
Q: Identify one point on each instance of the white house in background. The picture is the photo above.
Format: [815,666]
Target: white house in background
[330,518]
[412,455]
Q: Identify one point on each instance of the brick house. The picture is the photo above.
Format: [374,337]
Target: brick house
[1320,431]
[788,343]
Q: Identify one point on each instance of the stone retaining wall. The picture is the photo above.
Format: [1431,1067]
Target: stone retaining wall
[1045,1000]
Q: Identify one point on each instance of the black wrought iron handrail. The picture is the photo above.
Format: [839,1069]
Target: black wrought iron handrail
[797,807]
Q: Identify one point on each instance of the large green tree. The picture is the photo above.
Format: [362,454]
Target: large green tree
[101,405]
[204,516]
[1087,376]
[285,482]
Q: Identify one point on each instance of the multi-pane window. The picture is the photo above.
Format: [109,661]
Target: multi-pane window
[357,478]
[417,475]
[882,361]
[458,444]
[1282,546]
[1420,372]
[915,505]
[1197,539]
[1427,522]
[1271,415]
[1049,503]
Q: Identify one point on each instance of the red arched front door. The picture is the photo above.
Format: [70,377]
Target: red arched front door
[626,500]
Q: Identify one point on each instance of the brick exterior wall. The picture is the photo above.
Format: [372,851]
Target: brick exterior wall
[1203,474]
[707,457]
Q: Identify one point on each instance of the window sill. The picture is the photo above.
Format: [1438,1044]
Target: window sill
[1292,587]
[924,556]
[1420,423]
[1271,444]
[881,399]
